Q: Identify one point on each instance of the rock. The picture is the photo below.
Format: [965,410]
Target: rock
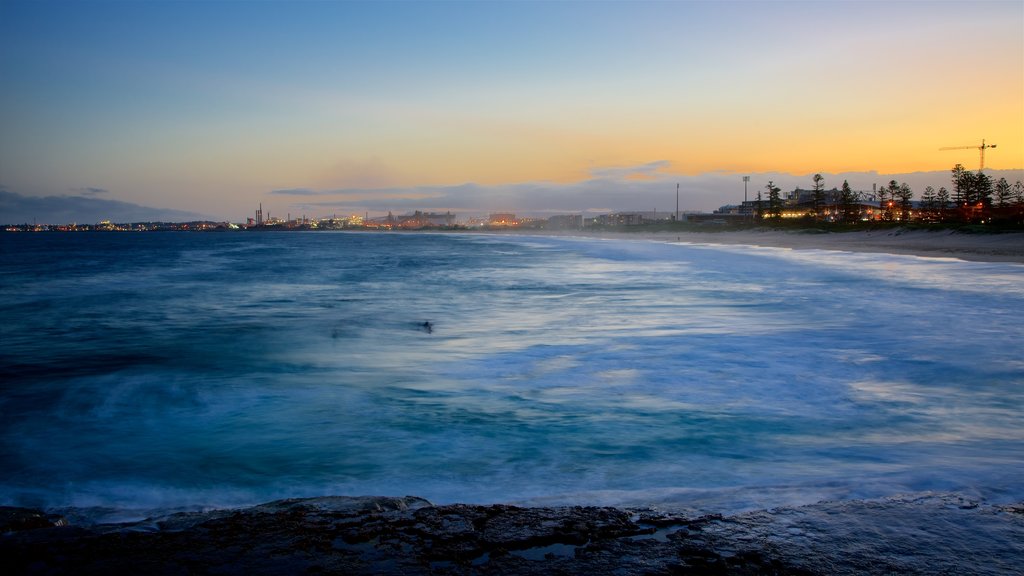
[371,535]
[16,519]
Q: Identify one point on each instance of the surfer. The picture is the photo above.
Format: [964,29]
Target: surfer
[428,327]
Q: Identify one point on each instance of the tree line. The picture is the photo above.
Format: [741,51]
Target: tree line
[973,197]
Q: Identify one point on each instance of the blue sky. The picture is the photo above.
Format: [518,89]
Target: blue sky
[210,106]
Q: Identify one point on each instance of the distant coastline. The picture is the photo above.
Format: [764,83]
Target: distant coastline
[980,244]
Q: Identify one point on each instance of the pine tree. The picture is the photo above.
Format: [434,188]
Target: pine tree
[968,192]
[774,201]
[929,202]
[983,189]
[819,195]
[943,200]
[848,198]
[1018,202]
[1004,194]
[958,185]
[904,194]
[889,207]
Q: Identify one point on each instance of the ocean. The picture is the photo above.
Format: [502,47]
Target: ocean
[146,373]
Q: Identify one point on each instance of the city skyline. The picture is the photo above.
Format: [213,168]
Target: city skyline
[622,197]
[213,107]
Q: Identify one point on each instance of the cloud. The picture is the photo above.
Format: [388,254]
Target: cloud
[18,209]
[90,191]
[609,190]
[297,192]
[641,172]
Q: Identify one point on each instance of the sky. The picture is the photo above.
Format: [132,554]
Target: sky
[326,107]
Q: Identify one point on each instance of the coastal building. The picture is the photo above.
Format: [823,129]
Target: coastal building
[633,218]
[502,219]
[565,222]
[418,220]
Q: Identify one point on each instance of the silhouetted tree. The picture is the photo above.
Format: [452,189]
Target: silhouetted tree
[883,206]
[983,190]
[968,188]
[959,183]
[848,201]
[818,199]
[904,194]
[1018,202]
[973,194]
[943,201]
[1004,194]
[889,207]
[774,201]
[929,203]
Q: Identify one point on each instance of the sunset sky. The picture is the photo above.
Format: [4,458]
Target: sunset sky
[214,107]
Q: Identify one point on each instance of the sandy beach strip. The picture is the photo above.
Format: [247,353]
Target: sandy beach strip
[1005,247]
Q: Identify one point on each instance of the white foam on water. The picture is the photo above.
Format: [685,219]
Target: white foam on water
[557,370]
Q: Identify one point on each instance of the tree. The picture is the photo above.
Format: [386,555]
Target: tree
[942,198]
[929,202]
[848,200]
[904,194]
[958,185]
[975,198]
[774,201]
[882,203]
[1004,194]
[983,190]
[889,208]
[1018,197]
[819,195]
[968,190]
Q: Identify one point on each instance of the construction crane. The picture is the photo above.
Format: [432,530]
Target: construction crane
[980,148]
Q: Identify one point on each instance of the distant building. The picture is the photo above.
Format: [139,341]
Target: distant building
[335,223]
[502,219]
[418,220]
[632,218]
[566,222]
[801,196]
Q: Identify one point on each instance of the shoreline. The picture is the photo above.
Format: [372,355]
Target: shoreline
[1006,247]
[1003,247]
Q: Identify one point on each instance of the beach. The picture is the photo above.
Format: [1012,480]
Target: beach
[1004,247]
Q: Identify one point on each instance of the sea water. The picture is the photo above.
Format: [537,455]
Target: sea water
[171,371]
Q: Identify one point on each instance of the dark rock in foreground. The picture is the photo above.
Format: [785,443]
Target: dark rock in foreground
[338,535]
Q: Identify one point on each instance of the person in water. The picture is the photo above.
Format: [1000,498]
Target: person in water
[428,327]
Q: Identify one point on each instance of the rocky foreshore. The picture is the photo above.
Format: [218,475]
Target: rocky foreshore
[922,534]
